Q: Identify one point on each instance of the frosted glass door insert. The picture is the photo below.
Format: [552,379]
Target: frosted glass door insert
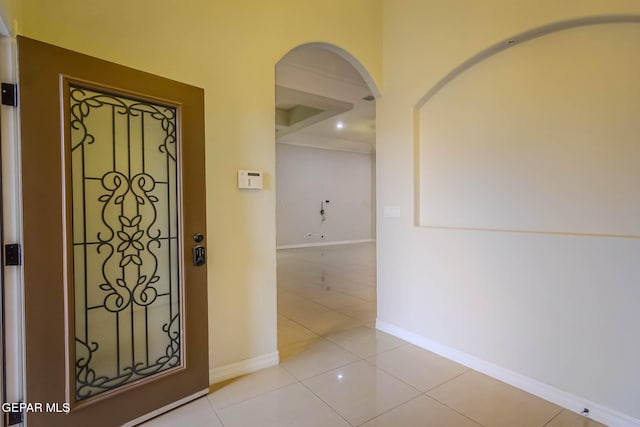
[126,248]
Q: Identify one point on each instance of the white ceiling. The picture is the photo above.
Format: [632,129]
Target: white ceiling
[313,76]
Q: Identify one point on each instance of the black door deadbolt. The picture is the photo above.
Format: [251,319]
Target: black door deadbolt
[199,255]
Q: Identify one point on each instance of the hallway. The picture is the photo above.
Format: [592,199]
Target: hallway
[337,370]
[323,291]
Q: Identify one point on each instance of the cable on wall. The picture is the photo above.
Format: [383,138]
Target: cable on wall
[323,212]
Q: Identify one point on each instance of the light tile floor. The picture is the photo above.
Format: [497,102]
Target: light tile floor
[337,370]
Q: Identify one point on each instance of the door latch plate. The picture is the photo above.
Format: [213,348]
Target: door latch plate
[12,254]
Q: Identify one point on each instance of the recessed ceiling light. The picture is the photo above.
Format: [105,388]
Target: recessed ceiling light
[339,125]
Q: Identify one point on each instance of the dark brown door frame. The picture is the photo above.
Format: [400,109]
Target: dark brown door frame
[46,344]
[3,341]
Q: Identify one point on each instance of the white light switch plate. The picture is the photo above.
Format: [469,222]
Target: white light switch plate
[391,212]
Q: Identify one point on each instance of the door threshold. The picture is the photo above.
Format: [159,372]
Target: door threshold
[166,408]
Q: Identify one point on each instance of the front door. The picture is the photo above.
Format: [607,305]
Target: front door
[113,254]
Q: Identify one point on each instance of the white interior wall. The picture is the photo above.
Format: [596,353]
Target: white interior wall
[308,176]
[557,308]
[12,280]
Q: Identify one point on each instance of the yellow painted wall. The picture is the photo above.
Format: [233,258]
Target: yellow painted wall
[11,13]
[229,48]
[546,130]
[559,309]
[530,303]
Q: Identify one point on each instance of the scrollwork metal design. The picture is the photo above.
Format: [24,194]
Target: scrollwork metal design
[125,257]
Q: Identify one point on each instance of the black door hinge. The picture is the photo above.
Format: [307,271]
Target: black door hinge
[12,254]
[13,417]
[9,94]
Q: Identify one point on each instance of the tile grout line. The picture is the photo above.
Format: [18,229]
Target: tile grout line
[343,293]
[214,410]
[363,359]
[299,324]
[253,397]
[368,356]
[323,372]
[469,417]
[453,409]
[325,337]
[390,409]
[553,418]
[450,407]
[403,381]
[329,406]
[444,404]
[328,311]
[360,359]
[317,336]
[449,380]
[394,377]
[389,349]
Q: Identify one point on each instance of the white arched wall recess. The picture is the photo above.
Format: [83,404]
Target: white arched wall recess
[537,133]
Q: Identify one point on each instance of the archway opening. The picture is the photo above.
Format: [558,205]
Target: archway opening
[325,191]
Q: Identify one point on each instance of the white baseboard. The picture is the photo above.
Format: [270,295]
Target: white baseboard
[340,242]
[569,401]
[243,367]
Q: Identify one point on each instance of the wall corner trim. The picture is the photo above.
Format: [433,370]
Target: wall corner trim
[561,398]
[243,367]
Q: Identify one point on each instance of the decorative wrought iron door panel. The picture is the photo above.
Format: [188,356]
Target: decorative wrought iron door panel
[124,183]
